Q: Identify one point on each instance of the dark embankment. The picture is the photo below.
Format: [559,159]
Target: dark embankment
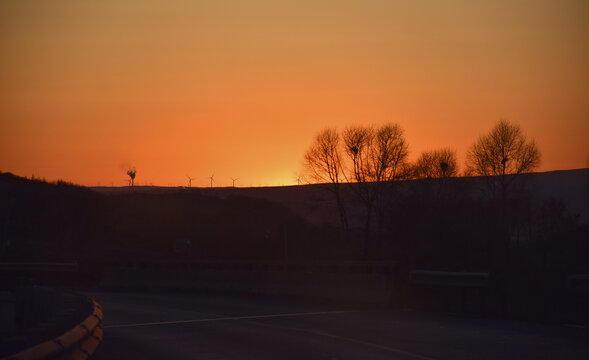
[61,222]
[51,324]
[531,245]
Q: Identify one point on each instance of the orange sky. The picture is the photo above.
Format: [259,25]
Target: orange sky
[239,88]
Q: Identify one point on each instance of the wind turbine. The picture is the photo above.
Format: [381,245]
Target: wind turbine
[211,178]
[234,180]
[189,181]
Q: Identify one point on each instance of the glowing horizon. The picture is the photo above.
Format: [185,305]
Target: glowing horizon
[190,88]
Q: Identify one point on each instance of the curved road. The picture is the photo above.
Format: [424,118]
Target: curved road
[193,326]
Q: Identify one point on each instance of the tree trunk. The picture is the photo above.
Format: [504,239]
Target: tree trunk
[367,229]
[340,207]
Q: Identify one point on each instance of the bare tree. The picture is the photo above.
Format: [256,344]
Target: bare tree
[501,156]
[378,157]
[132,172]
[436,164]
[389,157]
[389,153]
[357,141]
[323,164]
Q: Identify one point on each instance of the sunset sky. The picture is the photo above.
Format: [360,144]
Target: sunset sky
[239,88]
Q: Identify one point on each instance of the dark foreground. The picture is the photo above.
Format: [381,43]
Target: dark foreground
[192,326]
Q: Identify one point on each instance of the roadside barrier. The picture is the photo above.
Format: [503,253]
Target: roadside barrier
[446,278]
[449,291]
[361,267]
[345,282]
[14,275]
[578,283]
[39,266]
[78,343]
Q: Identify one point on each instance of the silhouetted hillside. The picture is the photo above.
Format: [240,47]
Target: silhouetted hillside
[43,220]
[315,202]
[443,224]
[230,228]
[530,242]
[61,221]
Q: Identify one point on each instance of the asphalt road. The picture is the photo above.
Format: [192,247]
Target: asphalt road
[192,326]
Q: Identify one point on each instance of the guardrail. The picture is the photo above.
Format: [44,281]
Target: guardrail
[578,283]
[77,343]
[447,278]
[380,267]
[16,274]
[38,266]
[448,291]
[346,282]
